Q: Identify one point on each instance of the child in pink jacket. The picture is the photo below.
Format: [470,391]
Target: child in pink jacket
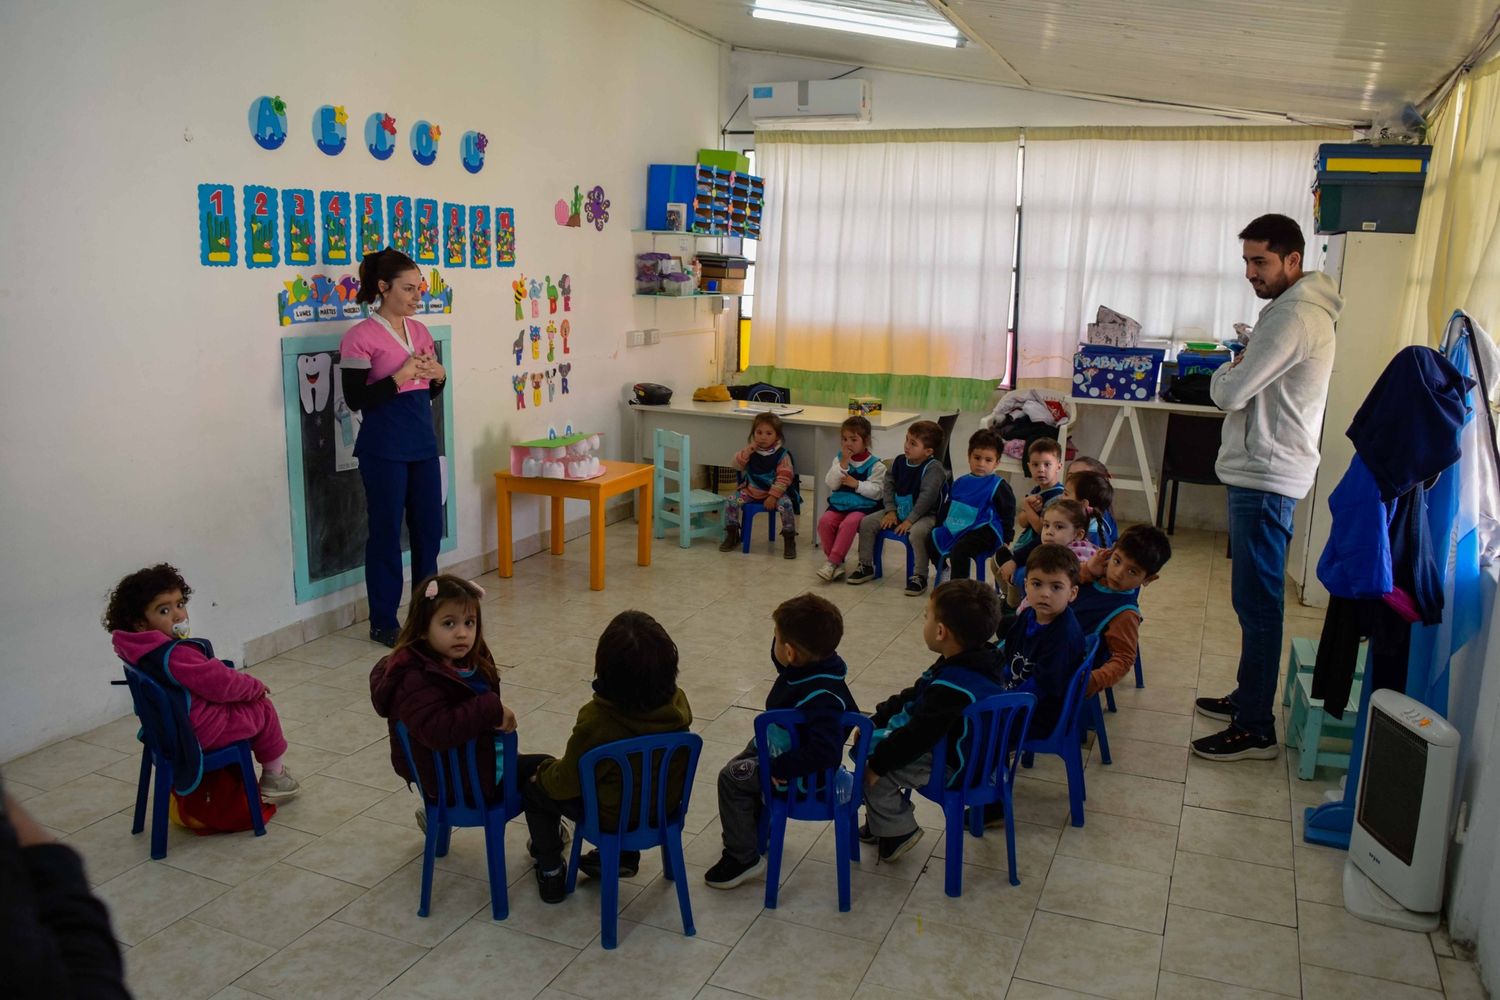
[147,612]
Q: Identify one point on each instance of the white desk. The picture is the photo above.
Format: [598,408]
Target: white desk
[1129,413]
[719,430]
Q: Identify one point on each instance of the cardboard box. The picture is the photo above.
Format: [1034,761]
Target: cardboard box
[723,286]
[864,406]
[1128,375]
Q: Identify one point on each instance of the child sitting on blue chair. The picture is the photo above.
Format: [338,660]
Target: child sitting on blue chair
[635,694]
[810,675]
[1045,644]
[981,510]
[915,486]
[217,705]
[961,617]
[1097,494]
[768,476]
[1108,603]
[1044,461]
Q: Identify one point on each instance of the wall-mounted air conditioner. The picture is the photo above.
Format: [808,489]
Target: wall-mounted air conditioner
[810,101]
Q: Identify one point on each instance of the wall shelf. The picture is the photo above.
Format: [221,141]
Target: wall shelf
[700,236]
[694,295]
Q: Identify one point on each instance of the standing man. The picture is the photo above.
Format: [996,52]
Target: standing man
[1274,394]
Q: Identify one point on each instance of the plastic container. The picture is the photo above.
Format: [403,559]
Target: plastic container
[648,272]
[1127,374]
[676,284]
[1201,362]
[1369,189]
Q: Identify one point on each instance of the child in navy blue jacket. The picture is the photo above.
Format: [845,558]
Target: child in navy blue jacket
[811,676]
[961,617]
[1044,647]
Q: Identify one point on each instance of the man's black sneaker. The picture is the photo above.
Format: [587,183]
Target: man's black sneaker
[552,884]
[630,863]
[865,836]
[1215,708]
[1236,744]
[863,574]
[729,873]
[892,848]
[915,585]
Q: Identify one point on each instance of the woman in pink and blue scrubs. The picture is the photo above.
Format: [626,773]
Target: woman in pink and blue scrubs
[391,374]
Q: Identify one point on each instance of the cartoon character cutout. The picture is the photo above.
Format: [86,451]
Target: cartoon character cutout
[597,208]
[563,370]
[551,296]
[519,288]
[567,330]
[565,286]
[297,290]
[519,345]
[536,342]
[551,341]
[536,388]
[535,288]
[551,374]
[518,383]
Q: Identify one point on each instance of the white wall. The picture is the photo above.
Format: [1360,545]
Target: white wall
[143,416]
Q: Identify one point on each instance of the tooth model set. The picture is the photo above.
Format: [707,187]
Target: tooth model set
[569,456]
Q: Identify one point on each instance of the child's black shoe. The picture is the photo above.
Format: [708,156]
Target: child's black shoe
[552,883]
[728,872]
[865,836]
[864,574]
[916,585]
[731,538]
[892,848]
[630,863]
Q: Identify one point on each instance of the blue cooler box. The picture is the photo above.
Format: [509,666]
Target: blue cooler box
[1127,374]
[1201,362]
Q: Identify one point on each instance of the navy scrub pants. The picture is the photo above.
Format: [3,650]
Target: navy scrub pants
[394,488]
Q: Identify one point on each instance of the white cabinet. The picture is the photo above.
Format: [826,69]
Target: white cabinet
[1371,271]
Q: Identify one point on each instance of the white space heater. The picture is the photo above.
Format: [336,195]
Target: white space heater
[1398,848]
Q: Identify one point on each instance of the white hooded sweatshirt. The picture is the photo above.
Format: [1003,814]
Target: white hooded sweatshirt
[1275,396]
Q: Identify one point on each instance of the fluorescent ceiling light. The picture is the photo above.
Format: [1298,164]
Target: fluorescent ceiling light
[930,31]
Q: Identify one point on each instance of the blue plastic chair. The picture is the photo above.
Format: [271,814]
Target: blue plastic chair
[688,505]
[814,797]
[1140,682]
[996,728]
[747,518]
[647,817]
[891,536]
[159,734]
[1078,713]
[459,800]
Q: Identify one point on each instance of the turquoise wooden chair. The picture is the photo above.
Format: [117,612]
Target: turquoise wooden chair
[689,506]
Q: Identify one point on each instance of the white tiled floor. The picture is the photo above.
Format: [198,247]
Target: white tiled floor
[1186,882]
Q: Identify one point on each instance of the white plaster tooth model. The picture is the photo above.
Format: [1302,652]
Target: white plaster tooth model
[558,456]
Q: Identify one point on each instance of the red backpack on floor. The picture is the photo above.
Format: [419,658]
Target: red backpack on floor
[217,805]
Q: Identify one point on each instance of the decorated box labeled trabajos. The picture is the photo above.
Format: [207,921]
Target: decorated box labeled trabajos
[864,406]
[557,456]
[1127,374]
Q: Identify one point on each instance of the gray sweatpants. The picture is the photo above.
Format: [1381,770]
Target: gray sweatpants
[889,812]
[740,805]
[869,530]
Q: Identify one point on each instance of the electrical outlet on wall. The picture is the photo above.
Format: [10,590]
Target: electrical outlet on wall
[635,338]
[653,336]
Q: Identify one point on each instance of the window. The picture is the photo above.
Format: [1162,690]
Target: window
[747,298]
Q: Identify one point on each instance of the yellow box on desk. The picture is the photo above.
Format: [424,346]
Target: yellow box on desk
[864,406]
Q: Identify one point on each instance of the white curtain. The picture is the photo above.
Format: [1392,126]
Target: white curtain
[1145,221]
[887,255]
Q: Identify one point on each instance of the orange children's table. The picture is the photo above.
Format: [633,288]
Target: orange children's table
[619,477]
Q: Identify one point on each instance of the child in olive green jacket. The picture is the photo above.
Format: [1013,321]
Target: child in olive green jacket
[635,694]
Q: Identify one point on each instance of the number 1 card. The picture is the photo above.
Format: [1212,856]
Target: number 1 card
[218,245]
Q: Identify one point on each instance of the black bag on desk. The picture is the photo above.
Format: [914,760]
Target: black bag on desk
[1191,390]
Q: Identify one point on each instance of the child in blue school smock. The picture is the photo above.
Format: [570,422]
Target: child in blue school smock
[981,510]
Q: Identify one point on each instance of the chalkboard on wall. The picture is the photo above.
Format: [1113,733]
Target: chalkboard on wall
[327,496]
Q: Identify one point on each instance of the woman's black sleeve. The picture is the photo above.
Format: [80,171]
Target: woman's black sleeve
[362,397]
[435,387]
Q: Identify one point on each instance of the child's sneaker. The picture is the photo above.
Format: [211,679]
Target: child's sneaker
[916,586]
[552,884]
[731,538]
[829,572]
[865,836]
[862,574]
[892,848]
[729,873]
[278,787]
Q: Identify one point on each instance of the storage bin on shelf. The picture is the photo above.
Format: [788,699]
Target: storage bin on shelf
[668,183]
[1200,362]
[1128,374]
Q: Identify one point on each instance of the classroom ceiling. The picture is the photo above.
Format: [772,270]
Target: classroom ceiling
[1316,60]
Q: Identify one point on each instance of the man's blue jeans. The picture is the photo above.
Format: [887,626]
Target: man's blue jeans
[1260,526]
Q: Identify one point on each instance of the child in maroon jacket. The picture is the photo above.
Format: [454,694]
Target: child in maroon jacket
[441,680]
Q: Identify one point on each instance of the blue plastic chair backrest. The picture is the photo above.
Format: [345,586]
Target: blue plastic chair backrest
[815,793]
[995,727]
[651,797]
[1069,720]
[463,772]
[154,709]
